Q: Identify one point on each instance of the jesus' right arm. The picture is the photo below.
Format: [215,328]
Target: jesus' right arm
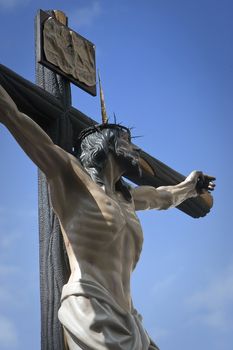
[49,157]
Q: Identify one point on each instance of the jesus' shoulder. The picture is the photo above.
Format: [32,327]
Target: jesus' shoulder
[70,176]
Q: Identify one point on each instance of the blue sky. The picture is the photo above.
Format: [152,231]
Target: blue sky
[167,70]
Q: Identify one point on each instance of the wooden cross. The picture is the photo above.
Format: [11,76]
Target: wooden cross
[50,106]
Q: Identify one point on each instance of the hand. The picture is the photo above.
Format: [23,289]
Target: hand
[205,183]
[201,182]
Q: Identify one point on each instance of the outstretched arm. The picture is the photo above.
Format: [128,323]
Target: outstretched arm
[33,140]
[148,197]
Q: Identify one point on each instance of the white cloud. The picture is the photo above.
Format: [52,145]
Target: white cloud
[165,283]
[11,4]
[85,16]
[8,333]
[161,333]
[213,305]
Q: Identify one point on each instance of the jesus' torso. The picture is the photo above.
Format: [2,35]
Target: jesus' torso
[102,233]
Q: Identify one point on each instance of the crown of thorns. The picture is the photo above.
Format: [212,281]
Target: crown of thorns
[99,127]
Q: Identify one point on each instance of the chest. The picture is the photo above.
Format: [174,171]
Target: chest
[87,212]
[122,218]
[113,214]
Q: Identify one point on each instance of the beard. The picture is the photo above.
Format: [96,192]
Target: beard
[129,162]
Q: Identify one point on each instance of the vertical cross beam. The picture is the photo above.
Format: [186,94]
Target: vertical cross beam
[54,269]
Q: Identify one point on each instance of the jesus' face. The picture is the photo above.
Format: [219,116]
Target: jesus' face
[127,154]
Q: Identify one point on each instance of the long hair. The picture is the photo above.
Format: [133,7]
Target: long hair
[93,152]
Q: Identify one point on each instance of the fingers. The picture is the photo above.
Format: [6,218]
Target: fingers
[211,186]
[209,181]
[205,183]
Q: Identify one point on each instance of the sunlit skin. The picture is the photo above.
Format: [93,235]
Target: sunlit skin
[101,231]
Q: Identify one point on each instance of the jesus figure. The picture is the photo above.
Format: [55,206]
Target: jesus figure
[96,209]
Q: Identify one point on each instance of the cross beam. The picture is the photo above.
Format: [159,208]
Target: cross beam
[45,109]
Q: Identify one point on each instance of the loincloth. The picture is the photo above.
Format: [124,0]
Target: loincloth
[92,320]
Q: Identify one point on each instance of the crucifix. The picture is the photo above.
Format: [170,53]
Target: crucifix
[63,56]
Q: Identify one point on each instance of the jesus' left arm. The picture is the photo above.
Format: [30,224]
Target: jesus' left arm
[164,197]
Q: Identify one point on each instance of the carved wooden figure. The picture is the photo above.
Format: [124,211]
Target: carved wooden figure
[92,207]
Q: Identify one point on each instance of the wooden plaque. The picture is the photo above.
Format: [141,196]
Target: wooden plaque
[66,52]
